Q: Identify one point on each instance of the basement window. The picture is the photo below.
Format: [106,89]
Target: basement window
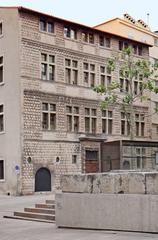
[1,169]
[1,70]
[1,32]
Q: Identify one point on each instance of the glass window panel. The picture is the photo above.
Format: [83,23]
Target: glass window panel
[68,109]
[74,76]
[43,25]
[68,75]
[51,72]
[94,121]
[91,38]
[87,111]
[87,124]
[104,130]
[74,63]
[85,66]
[52,107]
[43,71]
[1,74]
[52,121]
[84,37]
[1,169]
[76,123]
[51,59]
[45,106]
[45,121]
[43,57]
[50,27]
[67,62]
[69,123]
[101,41]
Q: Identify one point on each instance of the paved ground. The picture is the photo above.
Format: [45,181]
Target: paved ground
[25,230]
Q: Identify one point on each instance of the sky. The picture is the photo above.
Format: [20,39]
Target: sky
[93,12]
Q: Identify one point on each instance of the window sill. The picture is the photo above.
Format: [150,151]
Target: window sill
[48,81]
[71,39]
[104,47]
[48,33]
[2,180]
[1,133]
[1,83]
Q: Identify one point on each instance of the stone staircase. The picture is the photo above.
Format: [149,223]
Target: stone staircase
[44,212]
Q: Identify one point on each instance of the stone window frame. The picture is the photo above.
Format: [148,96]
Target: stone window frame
[138,49]
[49,112]
[105,75]
[139,124]
[125,126]
[47,64]
[3,179]
[89,74]
[91,117]
[88,37]
[72,114]
[70,32]
[71,68]
[107,121]
[2,69]
[140,156]
[2,128]
[125,85]
[104,42]
[74,158]
[47,22]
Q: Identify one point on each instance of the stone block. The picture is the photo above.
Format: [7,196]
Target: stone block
[152,183]
[79,183]
[136,183]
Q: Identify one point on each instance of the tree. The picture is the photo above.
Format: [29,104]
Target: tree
[126,98]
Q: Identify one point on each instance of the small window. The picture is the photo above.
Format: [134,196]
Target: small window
[1,31]
[46,26]
[70,32]
[1,69]
[43,25]
[1,118]
[1,169]
[74,159]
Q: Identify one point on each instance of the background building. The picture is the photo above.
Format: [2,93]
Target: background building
[50,118]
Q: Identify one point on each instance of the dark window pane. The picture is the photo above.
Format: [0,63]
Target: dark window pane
[45,121]
[51,72]
[1,169]
[91,155]
[44,71]
[1,74]
[50,27]
[43,25]
[52,121]
[87,124]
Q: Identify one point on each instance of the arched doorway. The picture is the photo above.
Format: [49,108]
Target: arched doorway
[42,180]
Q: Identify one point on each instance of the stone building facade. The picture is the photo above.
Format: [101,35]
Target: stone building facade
[50,117]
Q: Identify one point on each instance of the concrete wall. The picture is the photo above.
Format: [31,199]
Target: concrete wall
[96,201]
[10,144]
[107,211]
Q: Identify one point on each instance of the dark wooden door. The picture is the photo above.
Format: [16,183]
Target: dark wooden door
[91,161]
[42,180]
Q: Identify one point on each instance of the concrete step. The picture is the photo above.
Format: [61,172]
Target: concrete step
[50,201]
[29,219]
[40,210]
[44,205]
[35,215]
